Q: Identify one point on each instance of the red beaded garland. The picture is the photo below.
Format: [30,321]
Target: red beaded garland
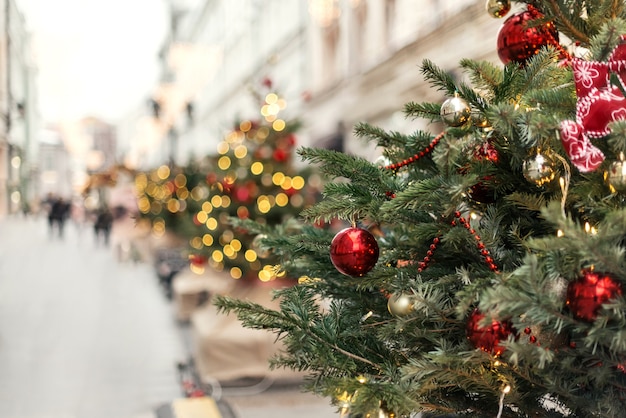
[354,251]
[431,251]
[417,156]
[479,243]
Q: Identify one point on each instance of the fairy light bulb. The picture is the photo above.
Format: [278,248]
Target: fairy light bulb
[505,391]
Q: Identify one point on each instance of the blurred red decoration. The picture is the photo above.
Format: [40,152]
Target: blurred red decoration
[291,191]
[488,338]
[519,38]
[354,251]
[267,82]
[280,155]
[211,178]
[197,259]
[242,194]
[586,295]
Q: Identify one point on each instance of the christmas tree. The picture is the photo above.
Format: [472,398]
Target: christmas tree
[251,175]
[481,267]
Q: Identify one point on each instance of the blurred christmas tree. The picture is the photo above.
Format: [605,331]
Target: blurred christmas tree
[481,270]
[251,176]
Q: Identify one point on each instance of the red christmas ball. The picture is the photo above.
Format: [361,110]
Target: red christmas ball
[481,192]
[354,251]
[586,295]
[486,151]
[519,39]
[488,338]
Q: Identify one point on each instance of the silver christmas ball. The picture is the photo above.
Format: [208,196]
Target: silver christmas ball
[382,161]
[455,111]
[539,168]
[615,176]
[260,251]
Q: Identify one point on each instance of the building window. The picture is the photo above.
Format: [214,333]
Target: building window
[330,42]
[357,34]
[390,21]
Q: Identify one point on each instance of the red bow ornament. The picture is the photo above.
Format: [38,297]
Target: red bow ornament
[599,103]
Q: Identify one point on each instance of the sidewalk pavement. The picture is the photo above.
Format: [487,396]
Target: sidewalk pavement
[83,335]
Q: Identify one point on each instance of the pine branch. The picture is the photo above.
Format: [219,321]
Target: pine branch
[566,24]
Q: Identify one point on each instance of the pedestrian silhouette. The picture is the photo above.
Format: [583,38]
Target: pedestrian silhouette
[102,225]
[57,216]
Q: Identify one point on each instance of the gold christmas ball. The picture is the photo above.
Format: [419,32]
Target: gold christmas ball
[539,168]
[498,8]
[455,111]
[400,304]
[479,120]
[615,176]
[261,252]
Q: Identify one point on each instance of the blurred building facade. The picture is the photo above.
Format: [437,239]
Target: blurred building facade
[336,63]
[54,176]
[19,117]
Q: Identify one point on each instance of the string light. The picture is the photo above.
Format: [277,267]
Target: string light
[505,391]
[163,172]
[207,240]
[236,273]
[590,229]
[196,269]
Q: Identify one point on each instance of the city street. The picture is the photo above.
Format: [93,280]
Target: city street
[83,335]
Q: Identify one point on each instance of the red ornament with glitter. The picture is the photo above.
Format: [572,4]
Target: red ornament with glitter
[354,251]
[586,295]
[488,338]
[520,39]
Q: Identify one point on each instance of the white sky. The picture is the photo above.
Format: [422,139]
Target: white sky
[95,57]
